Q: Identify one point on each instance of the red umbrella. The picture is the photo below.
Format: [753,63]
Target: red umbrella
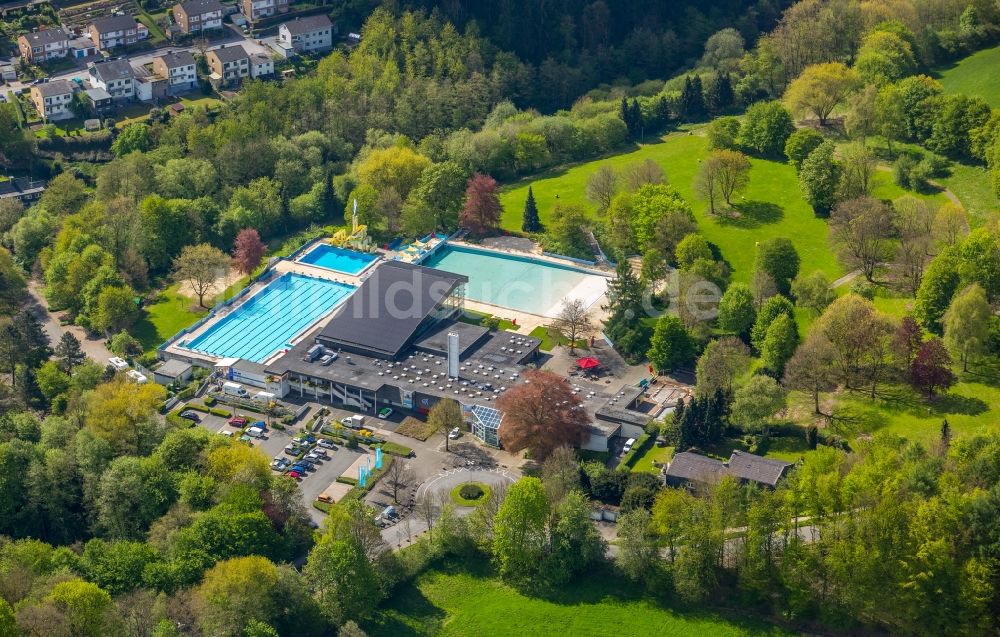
[588,362]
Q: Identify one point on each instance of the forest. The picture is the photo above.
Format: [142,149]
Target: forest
[829,112]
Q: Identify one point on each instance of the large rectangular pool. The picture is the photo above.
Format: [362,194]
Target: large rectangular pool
[268,320]
[518,282]
[338,259]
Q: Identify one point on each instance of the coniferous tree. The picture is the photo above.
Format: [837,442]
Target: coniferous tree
[531,222]
[719,95]
[635,115]
[692,99]
[625,113]
[69,352]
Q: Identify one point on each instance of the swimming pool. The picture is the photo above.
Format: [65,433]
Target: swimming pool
[272,317]
[518,282]
[338,259]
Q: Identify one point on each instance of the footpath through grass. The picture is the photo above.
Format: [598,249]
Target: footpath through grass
[975,75]
[464,604]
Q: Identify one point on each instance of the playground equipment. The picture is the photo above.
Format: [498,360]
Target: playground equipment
[357,238]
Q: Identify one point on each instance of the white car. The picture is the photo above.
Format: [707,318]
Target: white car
[628,445]
[454,433]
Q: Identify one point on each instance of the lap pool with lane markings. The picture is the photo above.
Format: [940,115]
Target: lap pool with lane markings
[272,317]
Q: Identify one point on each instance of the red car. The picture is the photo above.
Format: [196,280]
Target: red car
[237,421]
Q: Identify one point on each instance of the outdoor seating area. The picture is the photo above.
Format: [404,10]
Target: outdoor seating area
[416,251]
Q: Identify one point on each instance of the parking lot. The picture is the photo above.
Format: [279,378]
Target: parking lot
[326,471]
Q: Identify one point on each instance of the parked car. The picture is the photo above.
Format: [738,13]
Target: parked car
[300,469]
[454,433]
[255,432]
[309,464]
[385,412]
[321,452]
[326,443]
[294,474]
[237,421]
[628,445]
[304,439]
[187,414]
[280,464]
[292,450]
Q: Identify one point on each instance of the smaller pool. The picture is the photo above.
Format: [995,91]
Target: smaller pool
[338,259]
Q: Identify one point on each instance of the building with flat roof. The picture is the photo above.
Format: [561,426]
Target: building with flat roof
[395,305]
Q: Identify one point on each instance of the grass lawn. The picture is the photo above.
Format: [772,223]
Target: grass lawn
[771,207]
[476,318]
[974,75]
[971,407]
[197,100]
[551,338]
[971,184]
[653,454]
[460,603]
[171,312]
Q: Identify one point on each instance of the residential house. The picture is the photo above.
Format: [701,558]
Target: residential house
[228,65]
[261,65]
[116,30]
[7,73]
[40,46]
[179,69]
[693,470]
[24,189]
[254,10]
[53,100]
[98,100]
[114,76]
[198,15]
[150,87]
[302,35]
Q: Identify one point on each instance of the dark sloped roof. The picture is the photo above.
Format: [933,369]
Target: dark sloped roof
[48,36]
[178,58]
[113,70]
[385,312]
[198,7]
[695,467]
[230,53]
[748,466]
[55,87]
[111,23]
[298,26]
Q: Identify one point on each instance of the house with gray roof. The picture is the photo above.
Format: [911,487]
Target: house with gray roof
[113,31]
[40,46]
[114,76]
[301,35]
[53,100]
[693,470]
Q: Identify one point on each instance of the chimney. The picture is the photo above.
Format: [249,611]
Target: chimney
[453,354]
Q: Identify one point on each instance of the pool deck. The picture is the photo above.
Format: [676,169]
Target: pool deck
[526,320]
[280,268]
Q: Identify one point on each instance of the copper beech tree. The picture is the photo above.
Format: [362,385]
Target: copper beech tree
[541,415]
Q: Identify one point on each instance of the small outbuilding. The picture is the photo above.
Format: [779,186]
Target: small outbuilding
[173,371]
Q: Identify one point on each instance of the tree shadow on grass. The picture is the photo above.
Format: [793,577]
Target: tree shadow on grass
[752,214]
[955,404]
[408,603]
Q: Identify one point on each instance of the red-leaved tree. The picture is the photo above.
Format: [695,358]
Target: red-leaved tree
[931,368]
[907,341]
[248,250]
[542,415]
[481,214]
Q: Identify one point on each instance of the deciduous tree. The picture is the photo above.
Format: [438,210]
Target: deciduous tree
[200,267]
[755,403]
[541,415]
[862,228]
[778,257]
[723,174]
[813,292]
[720,364]
[519,538]
[602,186]
[482,210]
[967,325]
[819,179]
[248,250]
[573,321]
[930,370]
[820,88]
[671,346]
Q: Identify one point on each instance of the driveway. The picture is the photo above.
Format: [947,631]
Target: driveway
[92,346]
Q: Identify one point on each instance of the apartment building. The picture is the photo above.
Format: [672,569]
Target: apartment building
[198,15]
[116,30]
[179,69]
[40,46]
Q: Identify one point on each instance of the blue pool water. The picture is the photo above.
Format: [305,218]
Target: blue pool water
[517,282]
[272,317]
[338,259]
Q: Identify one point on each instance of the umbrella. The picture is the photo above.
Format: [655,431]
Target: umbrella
[588,362]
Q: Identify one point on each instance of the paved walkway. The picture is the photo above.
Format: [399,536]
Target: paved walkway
[439,489]
[92,346]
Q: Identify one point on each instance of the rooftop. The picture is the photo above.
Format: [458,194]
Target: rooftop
[197,7]
[173,368]
[111,23]
[383,315]
[748,466]
[55,87]
[619,408]
[230,53]
[97,94]
[48,36]
[177,58]
[695,467]
[112,70]
[298,26]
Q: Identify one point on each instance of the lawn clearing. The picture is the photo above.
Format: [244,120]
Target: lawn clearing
[476,318]
[651,455]
[551,337]
[171,311]
[771,207]
[460,603]
[975,75]
[971,184]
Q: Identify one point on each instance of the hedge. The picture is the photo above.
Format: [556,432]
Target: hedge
[347,480]
[394,449]
[174,418]
[195,406]
[210,401]
[640,446]
[186,393]
[220,412]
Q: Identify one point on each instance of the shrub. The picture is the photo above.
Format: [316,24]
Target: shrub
[210,401]
[202,408]
[186,393]
[174,419]
[471,491]
[394,449]
[641,443]
[220,412]
[347,480]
